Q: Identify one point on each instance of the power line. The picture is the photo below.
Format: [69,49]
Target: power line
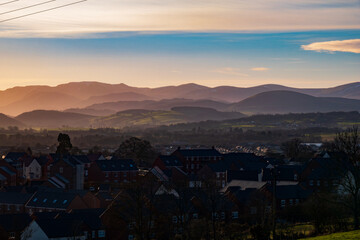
[18,9]
[8,2]
[46,10]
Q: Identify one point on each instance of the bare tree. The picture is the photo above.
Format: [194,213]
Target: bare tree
[348,142]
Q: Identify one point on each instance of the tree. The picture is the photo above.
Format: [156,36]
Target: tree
[65,145]
[137,149]
[348,142]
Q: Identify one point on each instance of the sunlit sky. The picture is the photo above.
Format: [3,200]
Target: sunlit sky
[300,43]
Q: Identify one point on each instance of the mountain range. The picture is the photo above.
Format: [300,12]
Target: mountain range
[94,104]
[17,100]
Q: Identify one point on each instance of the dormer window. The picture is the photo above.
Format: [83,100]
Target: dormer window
[35,199]
[45,200]
[65,201]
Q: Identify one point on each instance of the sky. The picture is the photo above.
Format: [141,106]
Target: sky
[152,43]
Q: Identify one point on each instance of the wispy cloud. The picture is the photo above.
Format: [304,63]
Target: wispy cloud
[351,45]
[93,17]
[260,69]
[230,71]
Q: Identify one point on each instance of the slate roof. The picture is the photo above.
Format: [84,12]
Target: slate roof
[170,161]
[91,217]
[48,199]
[328,169]
[242,175]
[290,192]
[285,172]
[60,228]
[199,152]
[14,156]
[245,161]
[7,170]
[15,222]
[14,198]
[117,165]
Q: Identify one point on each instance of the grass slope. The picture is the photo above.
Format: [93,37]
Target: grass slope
[354,235]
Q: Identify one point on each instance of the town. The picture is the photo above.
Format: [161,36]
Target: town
[191,193]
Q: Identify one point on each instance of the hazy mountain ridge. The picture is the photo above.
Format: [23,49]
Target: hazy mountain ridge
[292,102]
[16,100]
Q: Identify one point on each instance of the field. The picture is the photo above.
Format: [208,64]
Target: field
[338,236]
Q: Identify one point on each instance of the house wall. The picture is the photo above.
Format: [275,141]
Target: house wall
[33,171]
[34,232]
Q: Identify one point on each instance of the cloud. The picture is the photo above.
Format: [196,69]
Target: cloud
[351,45]
[230,71]
[260,69]
[94,17]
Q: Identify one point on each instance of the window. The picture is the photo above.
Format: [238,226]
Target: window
[107,175]
[93,233]
[101,233]
[18,208]
[65,201]
[61,170]
[223,215]
[195,216]
[174,219]
[86,173]
[116,174]
[131,237]
[235,215]
[45,199]
[35,199]
[290,202]
[131,225]
[55,200]
[295,177]
[318,182]
[8,207]
[217,175]
[311,182]
[296,201]
[283,202]
[12,235]
[192,166]
[253,210]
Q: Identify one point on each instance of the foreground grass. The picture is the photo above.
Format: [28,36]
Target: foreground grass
[338,236]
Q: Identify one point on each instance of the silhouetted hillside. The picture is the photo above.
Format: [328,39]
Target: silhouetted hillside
[6,121]
[141,117]
[54,119]
[293,102]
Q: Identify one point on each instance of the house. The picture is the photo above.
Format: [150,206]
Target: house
[55,229]
[322,173]
[194,159]
[287,195]
[12,226]
[167,162]
[32,170]
[13,202]
[113,171]
[49,201]
[67,172]
[216,171]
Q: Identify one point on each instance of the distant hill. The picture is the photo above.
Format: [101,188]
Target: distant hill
[292,102]
[16,100]
[165,104]
[141,117]
[40,100]
[54,119]
[115,97]
[6,121]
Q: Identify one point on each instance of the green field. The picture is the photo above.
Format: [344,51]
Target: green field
[338,236]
